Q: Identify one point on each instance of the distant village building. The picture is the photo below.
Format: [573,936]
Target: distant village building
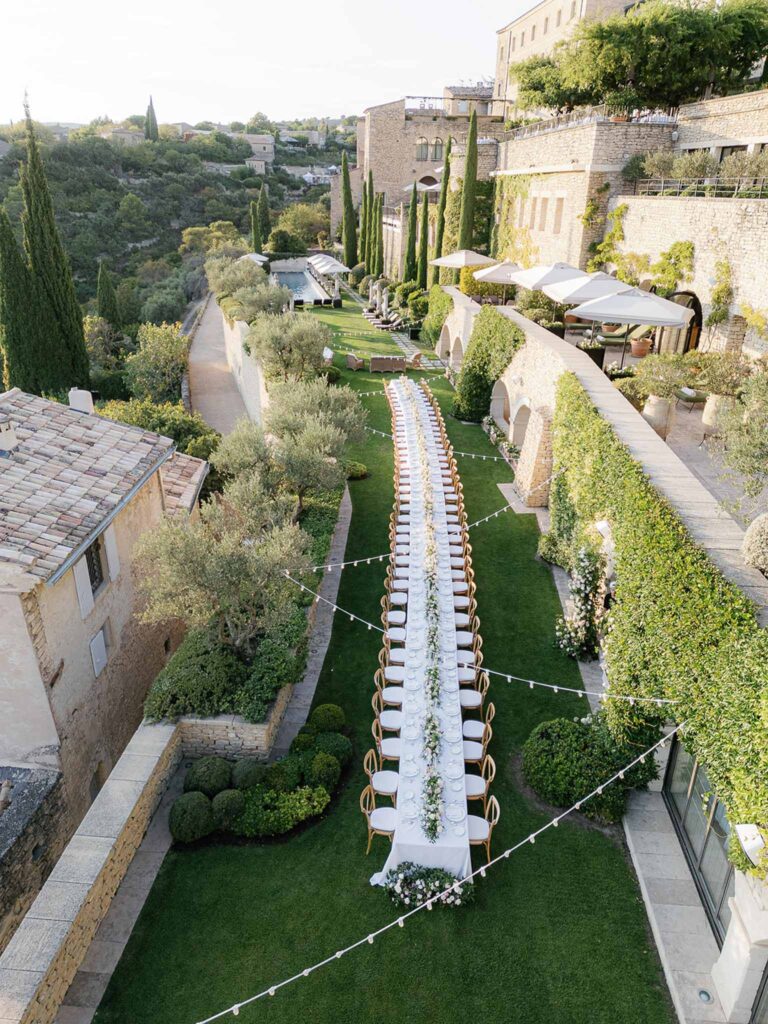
[125,136]
[76,493]
[256,164]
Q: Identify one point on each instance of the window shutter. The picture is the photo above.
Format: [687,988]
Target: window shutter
[83,585]
[110,547]
[98,652]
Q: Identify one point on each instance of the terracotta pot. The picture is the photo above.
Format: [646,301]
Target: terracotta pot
[640,347]
[660,413]
[712,416]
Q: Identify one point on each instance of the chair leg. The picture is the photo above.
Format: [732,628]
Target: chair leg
[488,849]
[370,840]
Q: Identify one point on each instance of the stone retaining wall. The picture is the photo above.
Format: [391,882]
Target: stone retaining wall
[246,371]
[232,736]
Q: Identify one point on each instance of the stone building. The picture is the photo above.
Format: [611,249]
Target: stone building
[75,663]
[534,34]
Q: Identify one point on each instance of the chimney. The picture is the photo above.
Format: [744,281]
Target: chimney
[8,439]
[80,400]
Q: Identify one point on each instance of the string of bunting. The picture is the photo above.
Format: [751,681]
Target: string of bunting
[555,687]
[399,922]
[471,455]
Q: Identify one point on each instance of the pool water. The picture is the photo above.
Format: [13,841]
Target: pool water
[301,284]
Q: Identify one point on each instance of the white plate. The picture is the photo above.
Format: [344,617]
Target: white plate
[455,770]
[410,771]
[459,830]
[455,812]
[457,787]
[411,733]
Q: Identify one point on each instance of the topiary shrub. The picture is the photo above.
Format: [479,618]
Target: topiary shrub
[302,743]
[285,774]
[191,818]
[209,775]
[248,772]
[494,341]
[418,305]
[324,770]
[755,545]
[271,813]
[403,292]
[328,718]
[356,274]
[332,374]
[202,678]
[469,285]
[336,744]
[356,470]
[227,807]
[364,285]
[439,306]
[276,663]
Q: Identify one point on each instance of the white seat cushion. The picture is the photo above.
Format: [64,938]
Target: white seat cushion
[395,618]
[470,699]
[397,635]
[459,601]
[401,598]
[460,587]
[394,673]
[383,819]
[402,572]
[401,583]
[465,657]
[461,619]
[390,748]
[392,694]
[458,575]
[397,655]
[393,720]
[387,782]
[466,674]
[464,637]
[458,563]
[474,785]
[471,730]
[478,828]
[473,751]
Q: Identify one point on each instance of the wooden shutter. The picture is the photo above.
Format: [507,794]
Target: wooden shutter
[110,548]
[83,586]
[98,652]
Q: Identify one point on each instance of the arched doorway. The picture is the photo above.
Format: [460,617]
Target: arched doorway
[519,420]
[500,406]
[428,180]
[444,344]
[679,340]
[457,355]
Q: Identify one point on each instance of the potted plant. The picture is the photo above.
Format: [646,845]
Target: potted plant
[633,390]
[640,347]
[723,375]
[661,376]
[594,350]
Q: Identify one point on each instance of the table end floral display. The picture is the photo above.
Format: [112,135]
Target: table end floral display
[411,885]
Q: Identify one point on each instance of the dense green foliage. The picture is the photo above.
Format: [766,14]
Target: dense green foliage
[469,284]
[434,276]
[349,219]
[369,229]
[227,806]
[469,189]
[678,628]
[209,775]
[189,430]
[440,305]
[409,267]
[327,718]
[156,368]
[421,267]
[492,344]
[191,818]
[271,813]
[256,243]
[106,297]
[151,130]
[201,678]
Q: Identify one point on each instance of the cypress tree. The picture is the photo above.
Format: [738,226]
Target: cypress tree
[150,123]
[421,275]
[380,236]
[363,216]
[374,242]
[50,269]
[467,217]
[265,225]
[349,221]
[409,273]
[440,222]
[369,225]
[106,298]
[256,241]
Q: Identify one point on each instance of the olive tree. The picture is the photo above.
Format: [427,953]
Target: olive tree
[293,404]
[226,274]
[289,347]
[155,370]
[261,298]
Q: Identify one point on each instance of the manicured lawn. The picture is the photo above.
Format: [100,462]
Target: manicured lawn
[557,934]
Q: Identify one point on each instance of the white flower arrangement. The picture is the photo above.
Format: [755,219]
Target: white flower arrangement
[411,885]
[432,806]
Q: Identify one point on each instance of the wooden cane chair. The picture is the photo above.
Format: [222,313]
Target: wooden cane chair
[475,730]
[388,748]
[477,787]
[380,820]
[383,783]
[391,720]
[481,829]
[472,698]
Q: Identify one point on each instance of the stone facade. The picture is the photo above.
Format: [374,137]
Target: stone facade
[232,736]
[246,371]
[724,121]
[535,33]
[732,229]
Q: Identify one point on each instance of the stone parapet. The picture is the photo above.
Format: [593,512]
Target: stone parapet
[231,735]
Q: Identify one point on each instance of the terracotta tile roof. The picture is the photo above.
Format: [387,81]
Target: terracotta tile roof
[183,477]
[69,471]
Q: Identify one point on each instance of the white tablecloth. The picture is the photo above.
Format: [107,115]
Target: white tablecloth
[451,849]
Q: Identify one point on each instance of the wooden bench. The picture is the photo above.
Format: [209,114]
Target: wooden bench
[387,364]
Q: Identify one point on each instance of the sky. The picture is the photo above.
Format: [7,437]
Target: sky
[222,62]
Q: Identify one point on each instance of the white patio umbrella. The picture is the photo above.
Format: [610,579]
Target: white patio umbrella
[634,306]
[500,273]
[254,257]
[462,258]
[536,277]
[578,289]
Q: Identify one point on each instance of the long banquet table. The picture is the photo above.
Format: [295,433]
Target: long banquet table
[426,506]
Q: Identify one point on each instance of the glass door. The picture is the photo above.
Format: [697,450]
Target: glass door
[703,830]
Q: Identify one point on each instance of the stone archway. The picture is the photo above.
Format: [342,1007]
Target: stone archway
[519,421]
[500,406]
[444,344]
[457,355]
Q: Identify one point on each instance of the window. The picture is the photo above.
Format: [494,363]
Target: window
[514,40]
[522,40]
[559,203]
[532,221]
[546,26]
[703,831]
[422,149]
[543,214]
[521,213]
[437,149]
[94,565]
[533,32]
[558,19]
[463,106]
[573,9]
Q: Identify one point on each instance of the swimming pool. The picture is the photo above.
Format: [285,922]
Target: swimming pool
[301,283]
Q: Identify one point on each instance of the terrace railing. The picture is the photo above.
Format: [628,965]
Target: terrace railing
[709,188]
[592,115]
[425,104]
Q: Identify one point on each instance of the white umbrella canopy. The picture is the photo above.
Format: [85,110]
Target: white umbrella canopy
[536,277]
[634,306]
[327,265]
[462,258]
[576,289]
[500,273]
[254,257]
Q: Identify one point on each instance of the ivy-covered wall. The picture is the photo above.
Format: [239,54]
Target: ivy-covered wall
[493,342]
[678,629]
[510,242]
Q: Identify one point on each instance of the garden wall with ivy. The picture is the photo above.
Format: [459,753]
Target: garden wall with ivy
[493,342]
[677,629]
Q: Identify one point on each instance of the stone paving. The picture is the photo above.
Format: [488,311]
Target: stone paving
[212,387]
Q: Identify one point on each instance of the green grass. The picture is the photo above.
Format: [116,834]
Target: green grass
[557,934]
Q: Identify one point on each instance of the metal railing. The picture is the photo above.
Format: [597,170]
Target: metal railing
[592,115]
[414,104]
[709,188]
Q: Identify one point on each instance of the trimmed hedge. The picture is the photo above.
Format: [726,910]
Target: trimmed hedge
[227,807]
[201,678]
[327,718]
[679,629]
[335,744]
[209,775]
[270,813]
[191,818]
[325,771]
[440,305]
[469,284]
[494,341]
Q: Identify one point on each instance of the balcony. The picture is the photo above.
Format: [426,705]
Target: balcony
[704,188]
[592,115]
[425,105]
